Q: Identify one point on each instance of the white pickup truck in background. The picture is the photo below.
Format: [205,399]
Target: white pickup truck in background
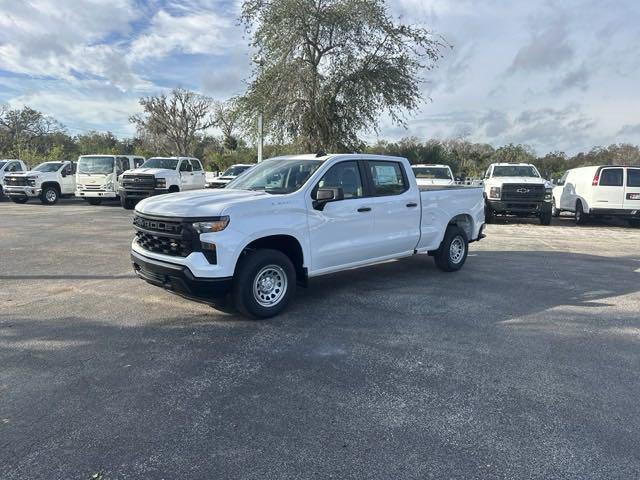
[296,217]
[433,174]
[10,166]
[160,175]
[228,175]
[48,181]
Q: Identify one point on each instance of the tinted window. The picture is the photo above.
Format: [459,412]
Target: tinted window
[196,165]
[387,178]
[439,173]
[611,177]
[344,175]
[633,177]
[185,166]
[159,162]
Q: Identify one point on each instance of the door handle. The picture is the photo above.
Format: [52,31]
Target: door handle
[412,205]
[364,209]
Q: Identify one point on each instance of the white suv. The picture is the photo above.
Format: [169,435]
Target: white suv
[599,191]
[517,189]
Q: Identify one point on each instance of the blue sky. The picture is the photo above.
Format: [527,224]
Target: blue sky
[554,75]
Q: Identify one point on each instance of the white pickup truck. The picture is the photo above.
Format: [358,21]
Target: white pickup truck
[160,175]
[10,166]
[228,175]
[296,217]
[48,181]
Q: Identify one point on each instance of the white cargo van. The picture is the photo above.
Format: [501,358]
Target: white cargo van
[599,191]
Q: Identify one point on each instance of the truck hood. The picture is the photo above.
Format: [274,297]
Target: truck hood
[151,171]
[200,203]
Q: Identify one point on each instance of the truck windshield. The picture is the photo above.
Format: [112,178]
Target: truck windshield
[277,176]
[235,170]
[48,167]
[101,165]
[432,172]
[168,163]
[515,171]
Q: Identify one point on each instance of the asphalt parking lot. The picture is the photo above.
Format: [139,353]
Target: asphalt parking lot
[525,364]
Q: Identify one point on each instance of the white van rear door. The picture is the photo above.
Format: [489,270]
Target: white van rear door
[632,189]
[609,193]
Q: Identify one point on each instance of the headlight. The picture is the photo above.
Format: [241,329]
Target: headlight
[214,225]
[548,194]
[31,182]
[495,193]
[161,183]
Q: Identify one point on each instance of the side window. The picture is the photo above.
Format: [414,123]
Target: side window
[611,177]
[563,180]
[74,167]
[344,175]
[67,169]
[487,174]
[185,166]
[387,178]
[197,167]
[633,177]
[137,161]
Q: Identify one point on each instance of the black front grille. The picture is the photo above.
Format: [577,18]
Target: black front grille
[166,237]
[517,192]
[15,181]
[138,182]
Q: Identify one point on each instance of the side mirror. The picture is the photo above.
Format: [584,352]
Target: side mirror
[326,195]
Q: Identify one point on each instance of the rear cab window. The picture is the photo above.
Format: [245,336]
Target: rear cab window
[387,177]
[197,167]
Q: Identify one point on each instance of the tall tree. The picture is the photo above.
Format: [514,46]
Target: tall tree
[174,121]
[24,130]
[226,116]
[330,68]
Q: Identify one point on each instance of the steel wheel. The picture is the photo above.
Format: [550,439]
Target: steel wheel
[457,249]
[270,285]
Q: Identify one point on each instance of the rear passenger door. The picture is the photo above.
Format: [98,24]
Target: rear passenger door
[198,174]
[609,193]
[632,189]
[396,208]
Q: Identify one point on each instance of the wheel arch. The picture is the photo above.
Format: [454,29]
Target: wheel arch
[51,183]
[285,243]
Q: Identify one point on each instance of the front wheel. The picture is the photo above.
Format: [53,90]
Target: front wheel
[453,250]
[19,199]
[50,195]
[94,201]
[581,217]
[127,203]
[264,283]
[545,218]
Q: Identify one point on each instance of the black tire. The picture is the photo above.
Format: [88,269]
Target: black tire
[251,301]
[489,216]
[94,201]
[50,195]
[555,212]
[19,199]
[448,258]
[174,189]
[127,203]
[580,216]
[545,218]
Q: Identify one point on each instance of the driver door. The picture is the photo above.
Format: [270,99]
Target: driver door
[186,175]
[341,231]
[68,180]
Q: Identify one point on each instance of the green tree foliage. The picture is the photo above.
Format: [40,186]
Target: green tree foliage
[330,68]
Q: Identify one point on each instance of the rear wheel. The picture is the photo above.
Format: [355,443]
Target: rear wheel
[554,211]
[19,199]
[94,201]
[581,217]
[264,283]
[453,250]
[50,195]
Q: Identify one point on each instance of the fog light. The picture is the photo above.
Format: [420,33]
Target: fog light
[210,253]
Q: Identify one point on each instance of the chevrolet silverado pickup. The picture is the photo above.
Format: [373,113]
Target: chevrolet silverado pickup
[10,166]
[292,218]
[48,181]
